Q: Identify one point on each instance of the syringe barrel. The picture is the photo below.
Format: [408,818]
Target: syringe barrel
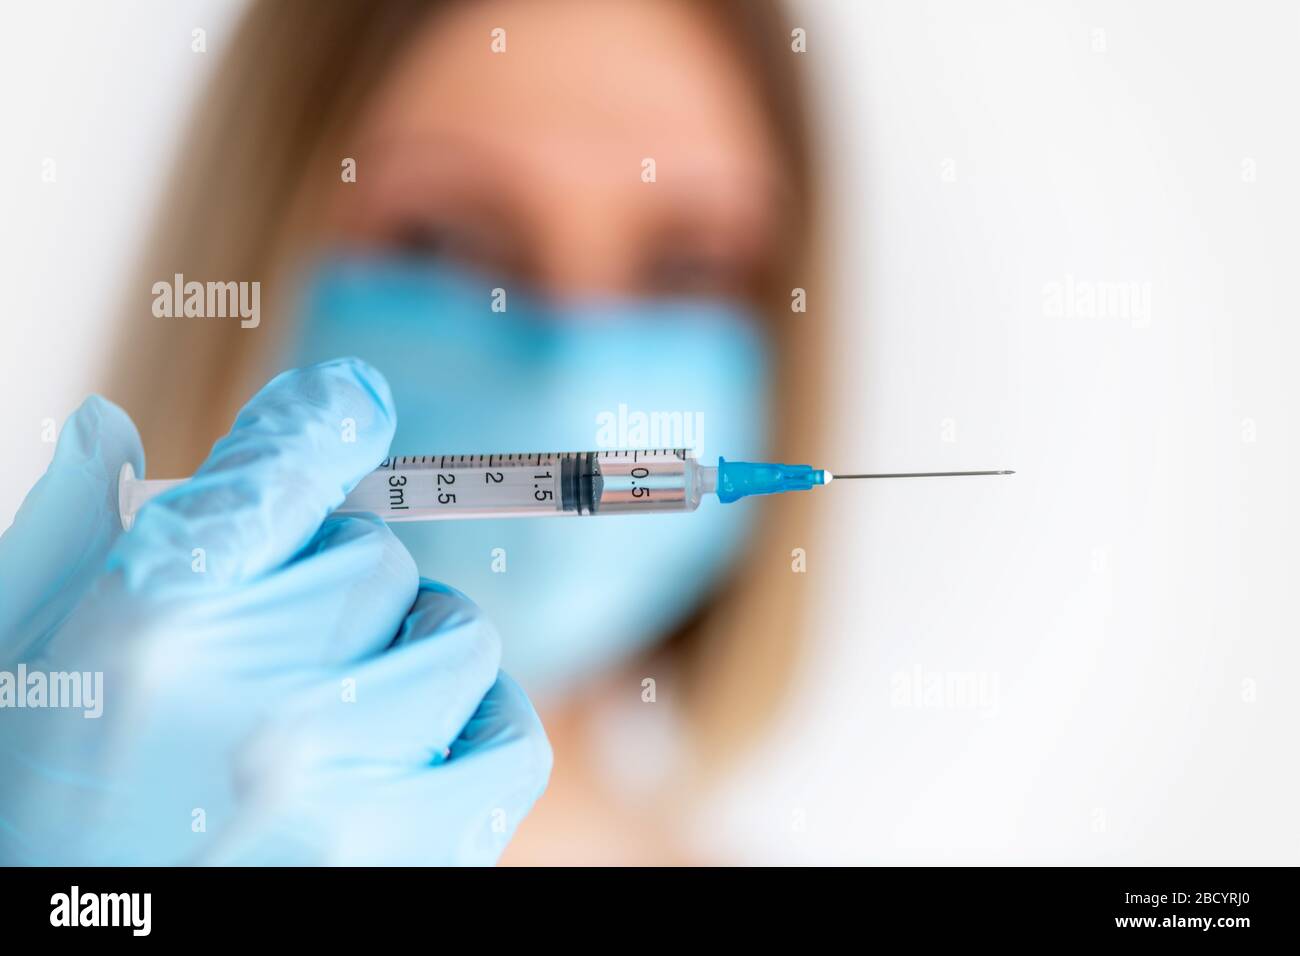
[531,485]
[443,487]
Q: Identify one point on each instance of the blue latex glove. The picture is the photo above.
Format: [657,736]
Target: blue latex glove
[278,685]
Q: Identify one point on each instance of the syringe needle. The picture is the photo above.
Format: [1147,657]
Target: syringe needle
[924,474]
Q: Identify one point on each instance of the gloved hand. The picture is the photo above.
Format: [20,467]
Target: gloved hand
[277,685]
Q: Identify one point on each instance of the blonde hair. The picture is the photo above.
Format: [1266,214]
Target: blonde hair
[293,78]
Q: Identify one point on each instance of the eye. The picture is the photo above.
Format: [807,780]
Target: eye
[477,244]
[434,239]
[685,271]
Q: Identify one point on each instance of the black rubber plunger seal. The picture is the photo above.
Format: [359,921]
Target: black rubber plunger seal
[580,483]
[591,483]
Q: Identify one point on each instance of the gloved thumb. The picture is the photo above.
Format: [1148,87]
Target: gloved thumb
[66,524]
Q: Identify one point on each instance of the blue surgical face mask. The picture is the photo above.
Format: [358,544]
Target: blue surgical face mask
[474,369]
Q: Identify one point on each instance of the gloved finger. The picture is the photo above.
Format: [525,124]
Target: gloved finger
[67,522]
[402,707]
[342,598]
[462,811]
[297,448]
[499,767]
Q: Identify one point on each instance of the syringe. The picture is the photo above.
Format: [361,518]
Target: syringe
[538,484]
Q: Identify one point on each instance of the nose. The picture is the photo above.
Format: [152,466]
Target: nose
[587,245]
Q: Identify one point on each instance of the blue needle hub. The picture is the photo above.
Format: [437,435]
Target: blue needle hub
[740,479]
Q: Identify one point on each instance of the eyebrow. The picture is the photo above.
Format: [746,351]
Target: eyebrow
[394,144]
[396,147]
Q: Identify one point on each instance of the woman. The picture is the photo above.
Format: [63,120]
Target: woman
[524,216]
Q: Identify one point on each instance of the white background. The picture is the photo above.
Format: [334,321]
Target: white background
[1125,602]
